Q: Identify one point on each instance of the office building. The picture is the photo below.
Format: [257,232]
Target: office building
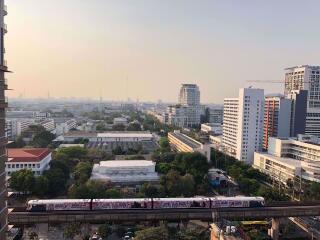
[243,124]
[182,143]
[291,157]
[215,115]
[305,77]
[299,104]
[211,128]
[188,112]
[36,159]
[3,139]
[277,117]
[189,95]
[126,172]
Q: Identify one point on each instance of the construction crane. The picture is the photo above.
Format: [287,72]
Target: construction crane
[276,81]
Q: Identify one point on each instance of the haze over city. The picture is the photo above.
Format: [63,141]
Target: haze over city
[143,49]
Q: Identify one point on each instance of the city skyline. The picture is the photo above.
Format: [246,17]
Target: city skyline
[119,50]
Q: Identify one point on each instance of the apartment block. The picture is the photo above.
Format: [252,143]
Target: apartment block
[243,124]
[277,116]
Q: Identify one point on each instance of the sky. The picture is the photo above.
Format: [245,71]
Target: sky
[145,49]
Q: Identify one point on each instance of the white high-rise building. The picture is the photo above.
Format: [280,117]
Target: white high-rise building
[189,95]
[306,77]
[243,124]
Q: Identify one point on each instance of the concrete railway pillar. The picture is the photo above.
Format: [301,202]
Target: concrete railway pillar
[275,226]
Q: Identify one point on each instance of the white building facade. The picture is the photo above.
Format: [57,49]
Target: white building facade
[302,152]
[243,124]
[36,159]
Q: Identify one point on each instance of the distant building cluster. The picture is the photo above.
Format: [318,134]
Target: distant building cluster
[19,121]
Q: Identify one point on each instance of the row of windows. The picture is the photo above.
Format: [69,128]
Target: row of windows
[23,165]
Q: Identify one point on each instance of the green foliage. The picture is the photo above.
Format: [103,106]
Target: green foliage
[117,150]
[135,157]
[71,230]
[104,231]
[92,189]
[22,180]
[42,139]
[101,127]
[176,185]
[154,233]
[150,191]
[57,181]
[118,127]
[113,193]
[41,186]
[82,172]
[81,141]
[18,143]
[135,126]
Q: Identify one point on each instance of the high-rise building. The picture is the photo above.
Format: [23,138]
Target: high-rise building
[306,77]
[299,101]
[3,139]
[277,116]
[243,124]
[188,112]
[189,95]
[215,115]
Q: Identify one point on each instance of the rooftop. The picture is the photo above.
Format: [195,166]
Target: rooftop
[27,154]
[126,163]
[124,134]
[187,140]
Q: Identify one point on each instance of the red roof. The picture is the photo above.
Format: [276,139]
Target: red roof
[27,154]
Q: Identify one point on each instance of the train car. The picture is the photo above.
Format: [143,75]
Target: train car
[59,205]
[236,202]
[159,203]
[135,203]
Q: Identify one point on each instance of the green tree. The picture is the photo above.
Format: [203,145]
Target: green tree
[91,189]
[113,193]
[104,231]
[57,181]
[62,166]
[187,185]
[118,150]
[154,233]
[41,186]
[101,127]
[118,127]
[82,172]
[18,143]
[135,126]
[149,190]
[22,180]
[42,139]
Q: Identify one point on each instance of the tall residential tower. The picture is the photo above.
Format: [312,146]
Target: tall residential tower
[243,124]
[306,77]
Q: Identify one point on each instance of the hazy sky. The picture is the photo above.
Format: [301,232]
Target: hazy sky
[84,48]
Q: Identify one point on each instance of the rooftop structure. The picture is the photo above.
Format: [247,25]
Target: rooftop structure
[35,159]
[183,143]
[125,172]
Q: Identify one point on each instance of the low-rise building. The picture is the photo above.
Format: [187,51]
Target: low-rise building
[48,124]
[212,128]
[120,120]
[65,126]
[36,159]
[290,154]
[183,143]
[125,172]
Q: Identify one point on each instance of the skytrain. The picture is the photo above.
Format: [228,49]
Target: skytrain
[143,203]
